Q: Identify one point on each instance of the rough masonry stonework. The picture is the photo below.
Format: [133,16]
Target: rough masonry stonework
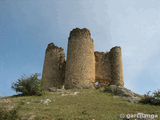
[116,66]
[54,67]
[80,65]
[103,68]
[83,66]
[109,67]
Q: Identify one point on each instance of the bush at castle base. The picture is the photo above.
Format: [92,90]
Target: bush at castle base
[28,85]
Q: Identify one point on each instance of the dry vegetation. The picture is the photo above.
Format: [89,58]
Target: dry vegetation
[87,105]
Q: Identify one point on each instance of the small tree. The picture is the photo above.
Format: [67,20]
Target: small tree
[28,85]
[151,98]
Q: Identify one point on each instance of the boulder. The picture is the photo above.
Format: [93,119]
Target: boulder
[5,101]
[125,93]
[52,89]
[47,101]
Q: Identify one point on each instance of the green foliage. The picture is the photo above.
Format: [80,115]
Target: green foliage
[156,94]
[151,98]
[60,87]
[107,88]
[118,84]
[9,114]
[28,85]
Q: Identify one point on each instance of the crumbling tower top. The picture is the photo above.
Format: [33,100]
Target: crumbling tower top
[80,66]
[53,68]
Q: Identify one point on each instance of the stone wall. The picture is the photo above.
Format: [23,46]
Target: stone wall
[80,64]
[83,67]
[103,68]
[109,67]
[54,67]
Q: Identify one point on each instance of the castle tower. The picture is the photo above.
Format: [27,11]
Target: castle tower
[80,65]
[116,66]
[53,69]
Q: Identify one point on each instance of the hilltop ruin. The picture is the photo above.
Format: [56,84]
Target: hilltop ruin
[83,66]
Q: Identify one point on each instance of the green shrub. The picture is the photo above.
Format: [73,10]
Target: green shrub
[151,98]
[9,114]
[118,84]
[156,94]
[107,88]
[28,85]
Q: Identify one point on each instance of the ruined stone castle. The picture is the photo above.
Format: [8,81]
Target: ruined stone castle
[83,67]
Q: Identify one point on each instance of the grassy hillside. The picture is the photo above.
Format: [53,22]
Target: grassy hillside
[87,105]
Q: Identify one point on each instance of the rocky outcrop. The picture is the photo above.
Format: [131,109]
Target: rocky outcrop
[46,101]
[5,101]
[125,93]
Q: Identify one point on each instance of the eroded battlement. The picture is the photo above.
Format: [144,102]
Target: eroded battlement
[77,32]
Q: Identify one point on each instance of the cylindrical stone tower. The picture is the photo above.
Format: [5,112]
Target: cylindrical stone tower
[54,67]
[116,66]
[80,65]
